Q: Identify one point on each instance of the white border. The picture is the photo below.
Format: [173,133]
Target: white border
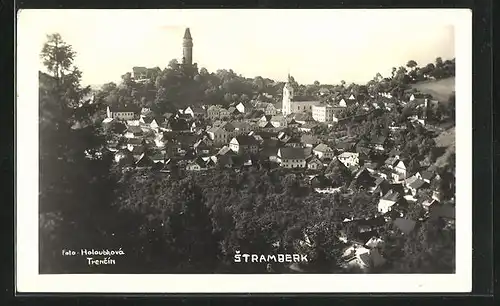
[28,279]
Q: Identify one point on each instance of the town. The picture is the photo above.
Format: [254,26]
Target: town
[355,176]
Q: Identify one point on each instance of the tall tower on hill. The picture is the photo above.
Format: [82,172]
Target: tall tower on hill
[187,48]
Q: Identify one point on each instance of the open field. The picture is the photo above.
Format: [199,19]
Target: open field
[440,89]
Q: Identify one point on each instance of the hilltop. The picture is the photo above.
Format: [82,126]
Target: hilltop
[439,89]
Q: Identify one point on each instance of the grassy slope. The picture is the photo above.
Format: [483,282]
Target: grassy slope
[440,89]
[446,141]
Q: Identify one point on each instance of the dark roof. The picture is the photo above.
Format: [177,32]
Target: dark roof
[246,140]
[124,109]
[292,153]
[148,119]
[323,148]
[304,99]
[134,141]
[134,129]
[427,175]
[140,69]
[309,139]
[418,183]
[391,196]
[379,140]
[187,34]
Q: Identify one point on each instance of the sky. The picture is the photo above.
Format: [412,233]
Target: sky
[323,45]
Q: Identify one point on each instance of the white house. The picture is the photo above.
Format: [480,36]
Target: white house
[349,159]
[342,103]
[351,97]
[271,110]
[399,171]
[244,144]
[313,163]
[278,121]
[124,112]
[362,258]
[324,113]
[388,200]
[291,157]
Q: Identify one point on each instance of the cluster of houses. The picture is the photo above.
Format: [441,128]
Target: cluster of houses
[201,138]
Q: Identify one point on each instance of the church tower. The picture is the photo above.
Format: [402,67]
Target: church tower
[286,107]
[187,48]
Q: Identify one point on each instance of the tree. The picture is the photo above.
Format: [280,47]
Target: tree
[75,187]
[411,64]
[57,56]
[439,62]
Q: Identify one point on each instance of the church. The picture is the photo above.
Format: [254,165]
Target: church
[296,104]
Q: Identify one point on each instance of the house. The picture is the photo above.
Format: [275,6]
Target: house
[219,135]
[203,146]
[139,73]
[195,111]
[390,199]
[144,161]
[427,204]
[291,157]
[427,176]
[303,118]
[224,113]
[233,111]
[399,171]
[244,107]
[313,163]
[134,132]
[342,103]
[416,185]
[122,112]
[345,146]
[265,125]
[214,112]
[323,151]
[278,121]
[349,159]
[391,162]
[124,158]
[290,141]
[359,257]
[374,242]
[378,143]
[309,140]
[306,128]
[351,97]
[265,118]
[158,158]
[241,127]
[364,179]
[244,144]
[270,110]
[197,164]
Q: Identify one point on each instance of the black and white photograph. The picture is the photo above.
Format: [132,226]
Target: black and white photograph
[232,150]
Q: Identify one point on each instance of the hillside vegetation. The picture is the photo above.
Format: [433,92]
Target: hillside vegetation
[439,89]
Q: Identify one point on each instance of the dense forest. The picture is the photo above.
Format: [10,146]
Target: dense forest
[194,223]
